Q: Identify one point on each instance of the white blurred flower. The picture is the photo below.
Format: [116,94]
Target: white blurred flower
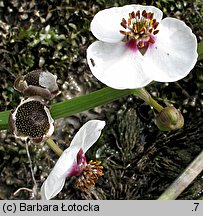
[72,162]
[137,46]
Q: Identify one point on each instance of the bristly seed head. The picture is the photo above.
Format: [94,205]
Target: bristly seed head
[31,119]
[141,28]
[37,83]
[91,172]
[32,78]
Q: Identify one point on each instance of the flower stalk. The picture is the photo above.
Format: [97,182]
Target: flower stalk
[144,95]
[82,103]
[168,118]
[54,147]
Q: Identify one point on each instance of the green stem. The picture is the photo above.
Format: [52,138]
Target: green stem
[78,104]
[54,147]
[184,180]
[144,95]
[4,116]
[86,102]
[82,103]
[200,51]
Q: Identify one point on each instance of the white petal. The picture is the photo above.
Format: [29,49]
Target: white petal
[158,14]
[117,66]
[51,123]
[87,135]
[56,179]
[48,80]
[174,53]
[51,186]
[85,138]
[106,27]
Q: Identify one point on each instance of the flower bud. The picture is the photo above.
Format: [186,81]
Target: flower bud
[169,119]
[37,83]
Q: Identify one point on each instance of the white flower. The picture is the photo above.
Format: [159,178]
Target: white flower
[137,46]
[72,160]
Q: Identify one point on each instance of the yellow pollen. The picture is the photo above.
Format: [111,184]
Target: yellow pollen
[91,172]
[140,26]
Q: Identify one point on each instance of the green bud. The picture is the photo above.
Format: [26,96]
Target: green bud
[169,118]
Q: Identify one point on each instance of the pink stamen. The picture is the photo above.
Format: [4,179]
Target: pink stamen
[155,32]
[138,14]
[144,14]
[132,15]
[124,23]
[151,40]
[155,25]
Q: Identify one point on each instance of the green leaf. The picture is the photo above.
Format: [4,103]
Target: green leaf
[200,51]
[86,102]
[77,104]
[4,119]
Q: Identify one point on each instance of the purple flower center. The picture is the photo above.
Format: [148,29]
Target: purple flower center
[78,167]
[140,29]
[91,172]
[87,173]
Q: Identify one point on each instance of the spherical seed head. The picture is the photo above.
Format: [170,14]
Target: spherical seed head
[37,83]
[32,119]
[32,78]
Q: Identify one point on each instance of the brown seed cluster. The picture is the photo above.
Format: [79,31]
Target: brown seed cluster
[31,119]
[32,78]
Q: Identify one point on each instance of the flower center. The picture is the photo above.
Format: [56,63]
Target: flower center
[140,29]
[91,172]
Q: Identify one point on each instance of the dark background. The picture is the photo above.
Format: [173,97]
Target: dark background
[139,161]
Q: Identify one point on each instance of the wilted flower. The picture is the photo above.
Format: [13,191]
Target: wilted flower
[137,46]
[37,83]
[72,162]
[31,119]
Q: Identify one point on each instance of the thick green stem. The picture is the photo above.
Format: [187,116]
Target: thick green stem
[54,147]
[78,104]
[144,95]
[200,51]
[4,116]
[82,103]
[86,102]
[184,180]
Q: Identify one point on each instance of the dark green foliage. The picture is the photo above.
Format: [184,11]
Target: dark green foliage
[139,161]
